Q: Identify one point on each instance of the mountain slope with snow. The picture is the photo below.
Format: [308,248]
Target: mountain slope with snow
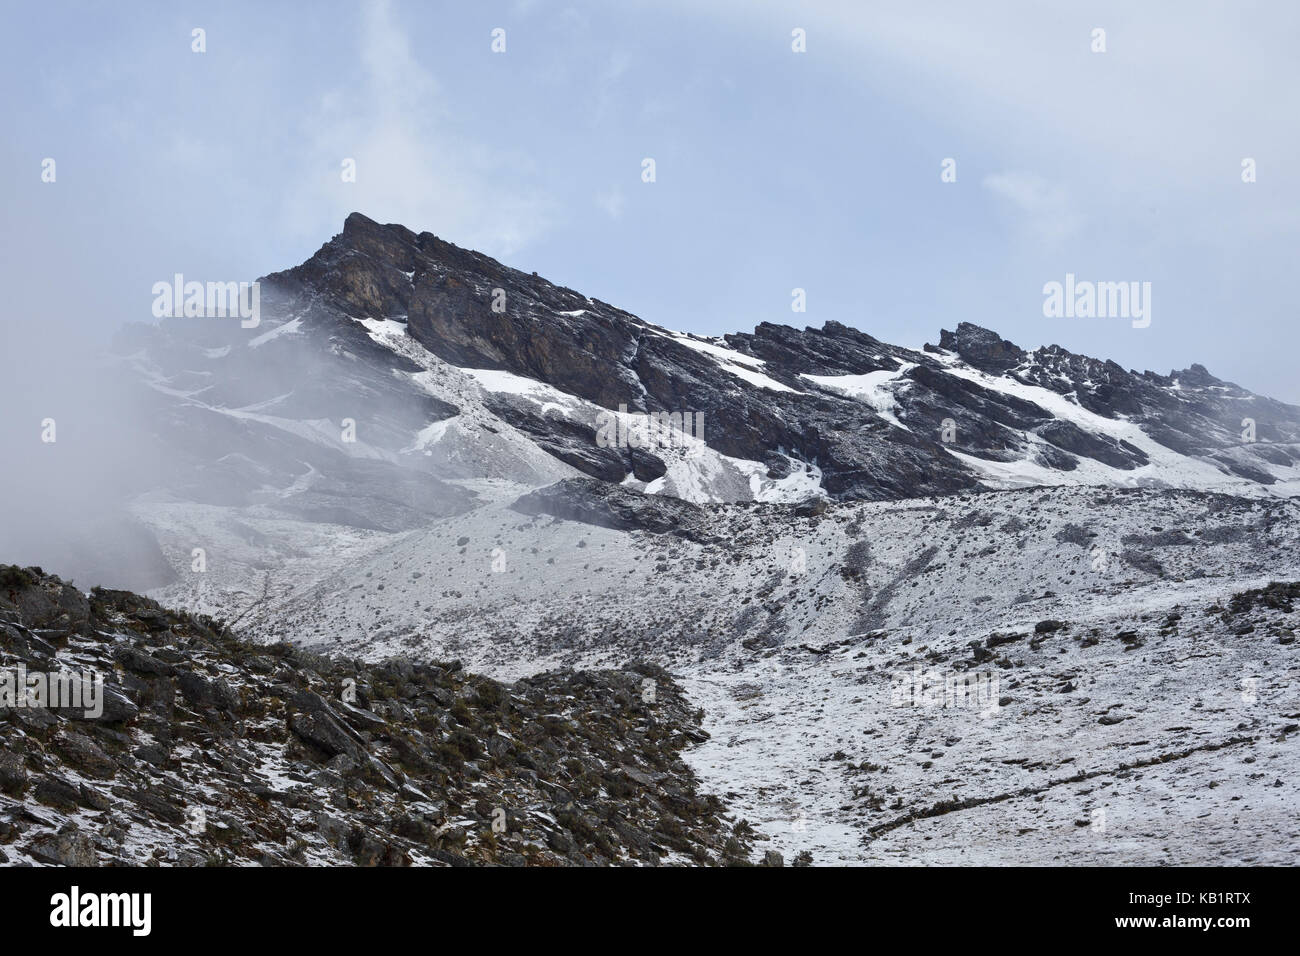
[409,458]
[400,355]
[1120,677]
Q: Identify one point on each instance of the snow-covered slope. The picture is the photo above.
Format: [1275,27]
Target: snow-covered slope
[391,465]
[403,355]
[1097,624]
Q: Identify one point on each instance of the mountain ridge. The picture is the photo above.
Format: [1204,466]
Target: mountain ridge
[788,398]
[381,391]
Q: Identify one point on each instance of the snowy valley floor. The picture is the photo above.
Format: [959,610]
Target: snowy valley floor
[1133,707]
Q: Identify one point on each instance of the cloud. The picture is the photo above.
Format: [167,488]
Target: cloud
[611,202]
[413,165]
[1166,113]
[1043,209]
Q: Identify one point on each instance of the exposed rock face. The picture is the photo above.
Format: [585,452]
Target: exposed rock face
[612,506]
[981,348]
[609,357]
[381,324]
[211,749]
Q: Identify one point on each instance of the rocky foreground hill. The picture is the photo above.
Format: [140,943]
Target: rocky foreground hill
[213,750]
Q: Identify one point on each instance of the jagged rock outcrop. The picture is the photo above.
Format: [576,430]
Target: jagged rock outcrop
[982,348]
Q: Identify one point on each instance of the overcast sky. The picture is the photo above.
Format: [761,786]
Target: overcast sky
[774,169]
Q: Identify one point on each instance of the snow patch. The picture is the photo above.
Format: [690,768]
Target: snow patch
[292,327]
[874,388]
[739,364]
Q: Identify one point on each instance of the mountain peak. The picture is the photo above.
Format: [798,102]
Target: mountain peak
[360,227]
[790,411]
[357,221]
[982,348]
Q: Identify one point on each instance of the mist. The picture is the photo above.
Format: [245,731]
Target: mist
[78,449]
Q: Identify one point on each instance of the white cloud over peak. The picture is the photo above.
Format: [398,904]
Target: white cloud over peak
[413,165]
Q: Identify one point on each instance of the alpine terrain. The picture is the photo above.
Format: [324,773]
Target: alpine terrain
[469,567]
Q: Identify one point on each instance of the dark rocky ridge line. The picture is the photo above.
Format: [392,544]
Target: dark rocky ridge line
[600,353]
[249,418]
[214,750]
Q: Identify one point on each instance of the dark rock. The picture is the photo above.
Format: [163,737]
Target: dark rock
[297,777]
[68,847]
[325,733]
[13,775]
[83,754]
[140,662]
[613,506]
[57,792]
[981,348]
[201,692]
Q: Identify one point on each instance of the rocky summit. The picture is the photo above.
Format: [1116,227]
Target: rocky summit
[452,366]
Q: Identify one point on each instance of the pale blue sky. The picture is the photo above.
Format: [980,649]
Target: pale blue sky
[775,169]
